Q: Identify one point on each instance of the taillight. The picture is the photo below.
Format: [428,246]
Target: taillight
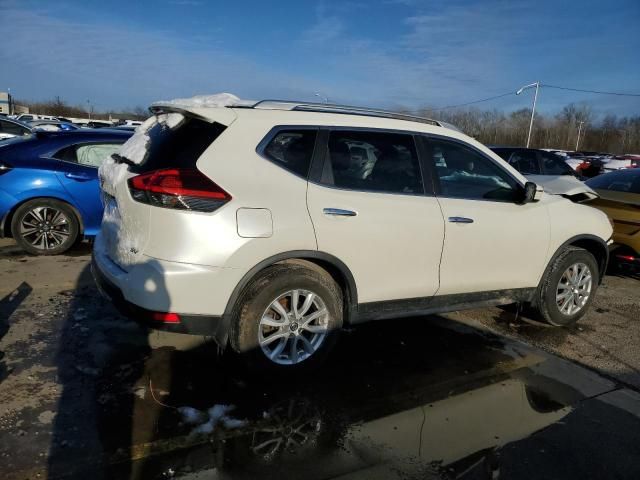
[179,188]
[4,168]
[165,317]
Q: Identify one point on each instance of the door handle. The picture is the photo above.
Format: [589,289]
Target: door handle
[460,220]
[339,212]
[77,176]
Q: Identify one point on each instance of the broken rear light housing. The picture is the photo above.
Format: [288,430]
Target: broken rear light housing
[178,188]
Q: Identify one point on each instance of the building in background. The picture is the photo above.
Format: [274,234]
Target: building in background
[6,106]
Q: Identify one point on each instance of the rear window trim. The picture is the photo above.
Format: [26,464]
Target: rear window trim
[273,133]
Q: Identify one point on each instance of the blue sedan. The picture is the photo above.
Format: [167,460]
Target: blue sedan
[49,192]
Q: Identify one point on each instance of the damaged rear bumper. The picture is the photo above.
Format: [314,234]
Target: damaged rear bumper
[205,325]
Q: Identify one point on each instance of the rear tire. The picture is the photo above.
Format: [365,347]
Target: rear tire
[45,226]
[273,332]
[568,287]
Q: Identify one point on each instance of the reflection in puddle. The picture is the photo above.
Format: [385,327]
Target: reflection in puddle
[439,413]
[428,401]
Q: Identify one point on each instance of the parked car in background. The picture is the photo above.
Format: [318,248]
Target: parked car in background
[268,227]
[49,192]
[98,124]
[30,117]
[548,170]
[621,161]
[12,128]
[619,193]
[591,167]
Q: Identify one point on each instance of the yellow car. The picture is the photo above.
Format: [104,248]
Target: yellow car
[620,199]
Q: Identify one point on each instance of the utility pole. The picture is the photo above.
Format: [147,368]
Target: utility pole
[89,108]
[533,110]
[579,131]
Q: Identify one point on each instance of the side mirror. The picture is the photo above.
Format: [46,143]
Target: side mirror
[531,193]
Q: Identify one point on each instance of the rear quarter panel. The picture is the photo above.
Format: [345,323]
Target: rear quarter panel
[254,182]
[21,185]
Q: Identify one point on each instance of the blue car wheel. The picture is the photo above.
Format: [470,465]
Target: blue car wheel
[44,226]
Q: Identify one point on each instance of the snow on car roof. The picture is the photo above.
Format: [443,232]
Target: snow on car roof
[204,101]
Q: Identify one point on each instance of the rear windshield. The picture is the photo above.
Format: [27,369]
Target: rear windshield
[180,146]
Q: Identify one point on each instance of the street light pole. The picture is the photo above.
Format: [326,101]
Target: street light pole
[579,131]
[533,110]
[89,109]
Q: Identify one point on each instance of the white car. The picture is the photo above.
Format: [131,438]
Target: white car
[548,170]
[256,224]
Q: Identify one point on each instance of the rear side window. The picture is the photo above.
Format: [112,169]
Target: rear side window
[178,147]
[292,150]
[372,161]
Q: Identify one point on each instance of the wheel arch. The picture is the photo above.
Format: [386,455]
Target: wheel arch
[5,222]
[591,243]
[315,259]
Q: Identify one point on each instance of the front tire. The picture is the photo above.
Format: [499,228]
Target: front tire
[45,226]
[287,319]
[568,287]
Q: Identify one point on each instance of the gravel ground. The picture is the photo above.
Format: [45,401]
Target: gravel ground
[76,391]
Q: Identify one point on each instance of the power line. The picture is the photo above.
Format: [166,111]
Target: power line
[475,101]
[542,85]
[591,91]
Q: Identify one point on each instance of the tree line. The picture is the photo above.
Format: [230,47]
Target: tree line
[58,107]
[610,134]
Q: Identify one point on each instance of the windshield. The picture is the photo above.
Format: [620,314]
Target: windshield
[618,181]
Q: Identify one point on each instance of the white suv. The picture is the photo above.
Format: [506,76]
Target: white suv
[270,226]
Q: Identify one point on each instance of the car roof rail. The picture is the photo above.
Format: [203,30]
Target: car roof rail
[342,109]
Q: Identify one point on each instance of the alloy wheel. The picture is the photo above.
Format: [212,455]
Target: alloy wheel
[574,289]
[293,327]
[45,228]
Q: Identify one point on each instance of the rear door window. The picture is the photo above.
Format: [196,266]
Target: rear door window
[372,161]
[292,150]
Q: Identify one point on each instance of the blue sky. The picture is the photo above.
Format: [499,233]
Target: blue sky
[385,53]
